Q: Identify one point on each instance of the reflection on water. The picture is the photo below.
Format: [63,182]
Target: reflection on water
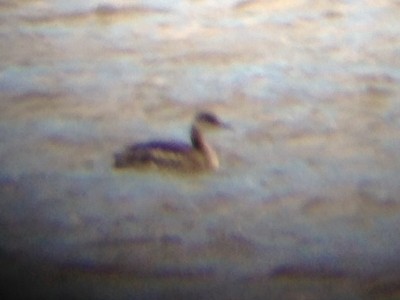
[308,185]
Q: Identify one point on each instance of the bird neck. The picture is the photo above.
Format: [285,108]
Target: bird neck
[200,144]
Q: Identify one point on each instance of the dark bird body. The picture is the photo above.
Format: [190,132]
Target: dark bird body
[174,154]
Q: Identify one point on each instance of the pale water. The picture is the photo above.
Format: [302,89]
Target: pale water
[308,191]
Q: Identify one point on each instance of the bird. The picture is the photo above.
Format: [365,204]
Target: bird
[176,155]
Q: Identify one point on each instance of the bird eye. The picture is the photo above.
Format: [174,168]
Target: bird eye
[208,117]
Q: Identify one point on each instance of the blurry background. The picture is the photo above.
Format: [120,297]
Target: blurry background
[306,203]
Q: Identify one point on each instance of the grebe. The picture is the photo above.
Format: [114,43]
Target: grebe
[199,156]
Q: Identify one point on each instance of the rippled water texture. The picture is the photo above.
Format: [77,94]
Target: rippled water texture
[306,202]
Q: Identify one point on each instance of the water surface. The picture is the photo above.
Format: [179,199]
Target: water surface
[307,193]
